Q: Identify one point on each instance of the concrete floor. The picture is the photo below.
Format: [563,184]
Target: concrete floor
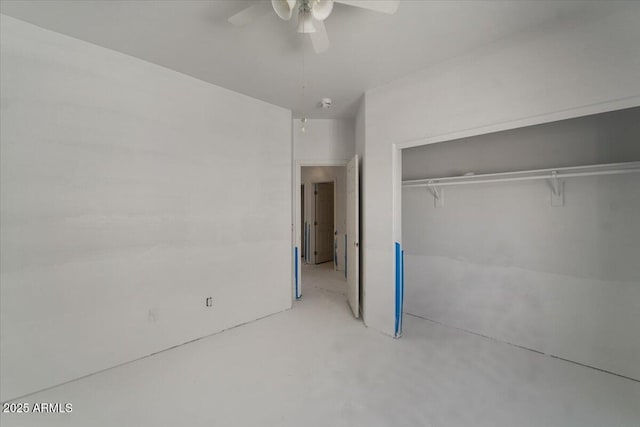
[316,365]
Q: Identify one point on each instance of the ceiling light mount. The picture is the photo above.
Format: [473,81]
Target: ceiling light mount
[325,103]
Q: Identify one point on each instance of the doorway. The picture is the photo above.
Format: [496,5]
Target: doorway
[326,239]
[322,215]
[323,227]
[324,249]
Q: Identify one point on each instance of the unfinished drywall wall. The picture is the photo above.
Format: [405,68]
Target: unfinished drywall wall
[336,174]
[130,193]
[323,140]
[568,68]
[497,259]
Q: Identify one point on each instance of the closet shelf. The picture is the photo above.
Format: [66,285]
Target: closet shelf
[552,174]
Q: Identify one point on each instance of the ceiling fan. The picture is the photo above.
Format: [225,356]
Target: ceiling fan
[310,14]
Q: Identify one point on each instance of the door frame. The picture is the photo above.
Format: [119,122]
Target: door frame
[296,282]
[396,173]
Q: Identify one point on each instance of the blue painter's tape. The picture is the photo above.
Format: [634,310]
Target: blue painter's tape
[399,290]
[295,256]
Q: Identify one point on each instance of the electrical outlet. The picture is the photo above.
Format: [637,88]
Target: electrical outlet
[209,302]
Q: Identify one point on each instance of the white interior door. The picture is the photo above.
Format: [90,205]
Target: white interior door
[352,264]
[323,222]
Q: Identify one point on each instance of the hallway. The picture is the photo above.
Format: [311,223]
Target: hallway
[322,278]
[315,365]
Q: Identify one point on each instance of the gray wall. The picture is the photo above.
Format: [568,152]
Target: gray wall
[130,193]
[498,260]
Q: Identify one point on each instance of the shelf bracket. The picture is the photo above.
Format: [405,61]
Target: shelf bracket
[557,189]
[437,193]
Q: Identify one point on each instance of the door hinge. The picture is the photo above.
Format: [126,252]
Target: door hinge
[315,223]
[315,252]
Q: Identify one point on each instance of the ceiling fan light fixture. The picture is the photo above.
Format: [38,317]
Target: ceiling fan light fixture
[321,9]
[305,23]
[311,14]
[284,8]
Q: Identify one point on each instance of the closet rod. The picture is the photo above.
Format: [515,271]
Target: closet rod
[610,169]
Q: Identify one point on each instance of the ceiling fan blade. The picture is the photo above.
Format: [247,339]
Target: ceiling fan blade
[319,39]
[251,13]
[384,6]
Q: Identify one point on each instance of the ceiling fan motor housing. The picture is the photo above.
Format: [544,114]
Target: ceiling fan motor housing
[319,9]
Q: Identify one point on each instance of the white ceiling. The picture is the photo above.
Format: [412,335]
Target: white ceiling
[265,59]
